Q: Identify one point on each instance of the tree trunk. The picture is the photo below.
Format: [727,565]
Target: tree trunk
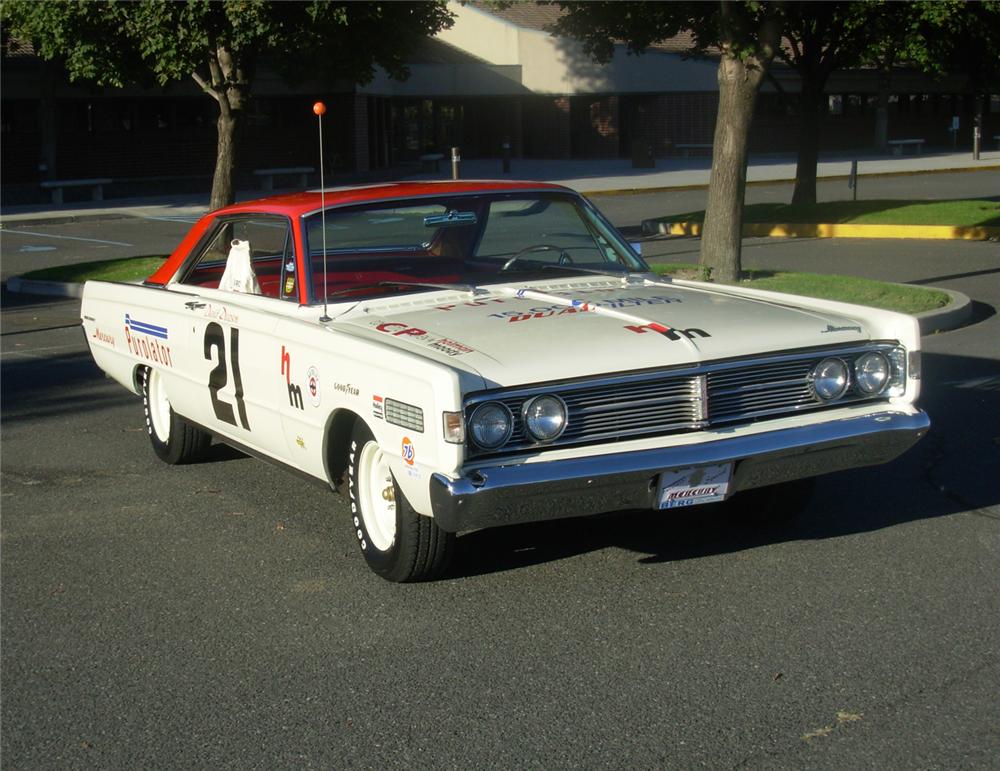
[882,111]
[810,108]
[721,237]
[48,121]
[223,182]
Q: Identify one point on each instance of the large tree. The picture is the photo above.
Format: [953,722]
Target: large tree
[219,43]
[744,36]
[821,37]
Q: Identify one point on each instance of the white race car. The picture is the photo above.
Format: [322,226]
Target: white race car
[471,354]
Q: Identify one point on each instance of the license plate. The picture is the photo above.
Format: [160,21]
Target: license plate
[691,486]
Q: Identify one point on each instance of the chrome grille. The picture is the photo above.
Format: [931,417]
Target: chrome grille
[669,402]
[747,392]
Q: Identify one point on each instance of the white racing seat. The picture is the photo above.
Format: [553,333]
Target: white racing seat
[238,275]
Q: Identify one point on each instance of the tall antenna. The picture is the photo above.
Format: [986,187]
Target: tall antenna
[320,109]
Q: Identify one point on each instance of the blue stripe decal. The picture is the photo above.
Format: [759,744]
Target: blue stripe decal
[145,329]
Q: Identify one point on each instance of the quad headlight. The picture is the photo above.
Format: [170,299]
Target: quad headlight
[830,379]
[872,373]
[544,417]
[490,425]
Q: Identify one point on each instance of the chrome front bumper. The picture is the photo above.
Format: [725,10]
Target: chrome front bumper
[528,492]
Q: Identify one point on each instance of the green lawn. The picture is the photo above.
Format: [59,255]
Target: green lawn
[863,291]
[960,213]
[125,269]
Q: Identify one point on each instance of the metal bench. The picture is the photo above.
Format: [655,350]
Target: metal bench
[267,175]
[897,145]
[690,148]
[431,161]
[56,186]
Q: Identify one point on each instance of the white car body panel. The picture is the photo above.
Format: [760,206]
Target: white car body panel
[431,349]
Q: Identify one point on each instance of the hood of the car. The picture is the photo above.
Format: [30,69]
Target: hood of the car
[524,333]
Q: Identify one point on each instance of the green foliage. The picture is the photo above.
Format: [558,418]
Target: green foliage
[126,269]
[111,42]
[732,28]
[850,289]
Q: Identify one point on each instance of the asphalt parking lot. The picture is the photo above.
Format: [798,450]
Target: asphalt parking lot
[219,615]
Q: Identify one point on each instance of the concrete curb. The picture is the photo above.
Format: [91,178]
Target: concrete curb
[49,288]
[657,226]
[953,315]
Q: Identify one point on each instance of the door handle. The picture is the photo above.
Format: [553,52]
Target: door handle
[192,305]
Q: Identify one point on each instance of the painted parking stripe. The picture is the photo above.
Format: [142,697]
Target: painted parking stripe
[12,232]
[178,218]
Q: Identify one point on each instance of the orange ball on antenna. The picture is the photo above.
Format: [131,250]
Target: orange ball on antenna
[319,108]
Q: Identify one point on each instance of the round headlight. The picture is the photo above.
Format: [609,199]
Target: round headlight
[490,425]
[871,372]
[829,379]
[544,417]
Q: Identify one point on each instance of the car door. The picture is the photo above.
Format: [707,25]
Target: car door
[234,389]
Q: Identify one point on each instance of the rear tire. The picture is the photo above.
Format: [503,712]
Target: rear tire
[174,440]
[397,543]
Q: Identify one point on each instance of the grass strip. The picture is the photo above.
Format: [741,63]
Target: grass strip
[959,213]
[850,289]
[124,269]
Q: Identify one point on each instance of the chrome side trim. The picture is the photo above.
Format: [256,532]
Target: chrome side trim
[526,492]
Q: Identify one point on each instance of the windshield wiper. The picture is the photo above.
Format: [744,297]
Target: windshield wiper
[474,290]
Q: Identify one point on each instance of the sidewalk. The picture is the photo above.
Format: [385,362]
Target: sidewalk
[588,176]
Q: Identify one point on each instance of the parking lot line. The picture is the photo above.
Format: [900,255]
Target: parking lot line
[12,232]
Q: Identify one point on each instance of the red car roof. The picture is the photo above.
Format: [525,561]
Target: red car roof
[297,204]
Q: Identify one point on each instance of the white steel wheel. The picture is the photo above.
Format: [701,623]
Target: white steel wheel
[397,543]
[378,496]
[174,440]
[159,407]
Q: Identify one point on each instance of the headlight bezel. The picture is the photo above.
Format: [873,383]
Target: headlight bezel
[477,413]
[860,374]
[814,376]
[527,422]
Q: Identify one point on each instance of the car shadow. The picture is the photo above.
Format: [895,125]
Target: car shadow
[951,471]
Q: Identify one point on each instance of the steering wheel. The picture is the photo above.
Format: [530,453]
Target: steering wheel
[564,258]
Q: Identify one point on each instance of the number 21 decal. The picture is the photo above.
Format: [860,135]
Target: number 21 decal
[215,337]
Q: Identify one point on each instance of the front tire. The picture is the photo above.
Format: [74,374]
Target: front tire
[397,543]
[174,440]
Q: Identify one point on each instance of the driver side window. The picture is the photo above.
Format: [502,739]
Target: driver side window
[257,251]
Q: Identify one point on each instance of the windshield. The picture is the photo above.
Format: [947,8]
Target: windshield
[468,240]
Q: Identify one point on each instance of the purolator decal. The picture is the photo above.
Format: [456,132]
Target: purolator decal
[144,341]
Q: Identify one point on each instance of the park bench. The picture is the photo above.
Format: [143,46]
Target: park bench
[431,161]
[56,186]
[267,175]
[897,145]
[687,149]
